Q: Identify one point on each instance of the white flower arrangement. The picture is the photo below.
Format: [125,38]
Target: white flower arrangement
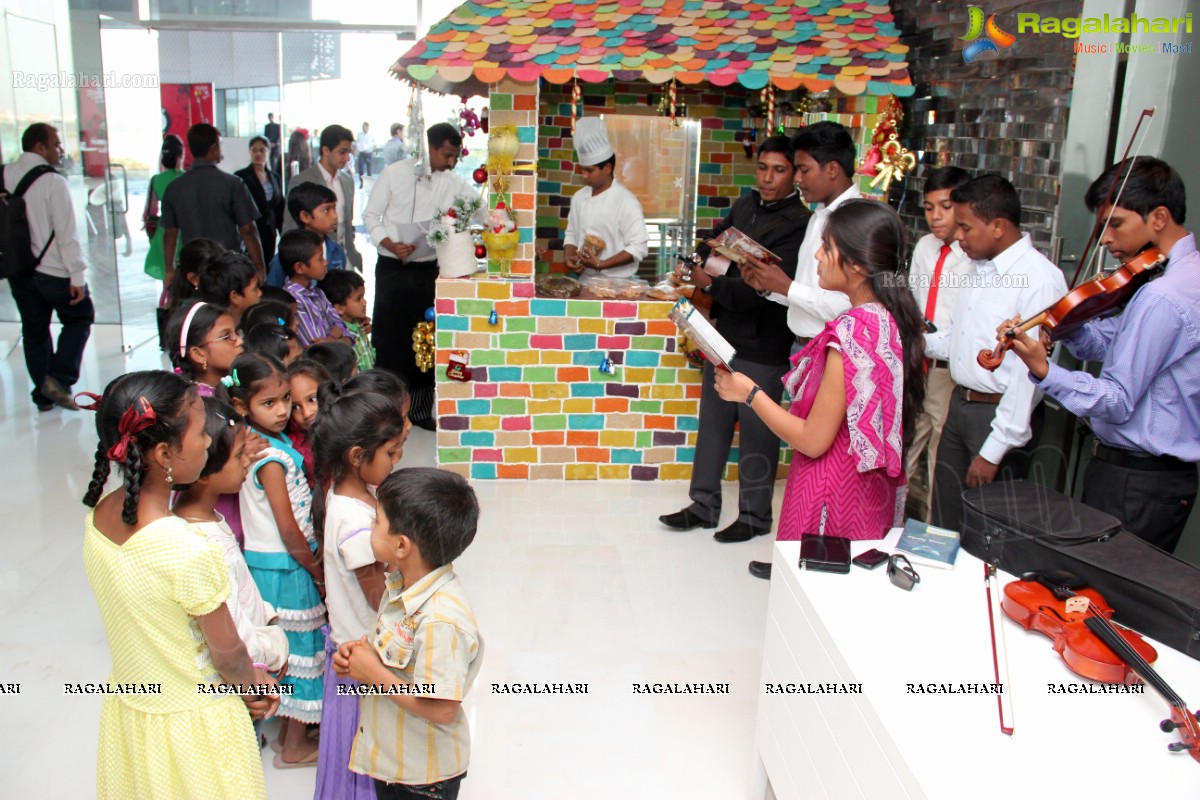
[456,219]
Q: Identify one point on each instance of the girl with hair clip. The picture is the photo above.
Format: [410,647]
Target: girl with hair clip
[274,340]
[269,312]
[183,283]
[306,378]
[280,546]
[162,588]
[358,438]
[223,474]
[203,344]
[856,388]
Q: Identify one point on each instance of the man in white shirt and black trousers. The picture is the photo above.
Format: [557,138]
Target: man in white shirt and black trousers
[405,288]
[992,425]
[59,284]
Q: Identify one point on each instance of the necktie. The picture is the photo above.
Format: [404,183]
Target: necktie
[931,300]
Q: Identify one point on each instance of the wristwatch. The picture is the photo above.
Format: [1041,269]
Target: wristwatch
[707,289]
[750,397]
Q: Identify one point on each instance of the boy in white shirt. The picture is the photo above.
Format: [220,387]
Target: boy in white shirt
[938,261]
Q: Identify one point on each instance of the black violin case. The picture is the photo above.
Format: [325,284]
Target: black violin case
[1020,526]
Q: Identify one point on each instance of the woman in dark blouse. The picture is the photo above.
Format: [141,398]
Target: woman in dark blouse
[267,191]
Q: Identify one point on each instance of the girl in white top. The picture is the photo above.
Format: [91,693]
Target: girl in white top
[223,473]
[276,506]
[357,440]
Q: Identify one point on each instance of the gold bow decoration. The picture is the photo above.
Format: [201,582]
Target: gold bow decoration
[896,162]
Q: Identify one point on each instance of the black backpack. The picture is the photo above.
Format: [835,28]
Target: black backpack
[16,249]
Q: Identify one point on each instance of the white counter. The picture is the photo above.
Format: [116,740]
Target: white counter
[888,742]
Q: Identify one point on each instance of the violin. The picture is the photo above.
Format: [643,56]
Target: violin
[1090,300]
[1079,623]
[1098,296]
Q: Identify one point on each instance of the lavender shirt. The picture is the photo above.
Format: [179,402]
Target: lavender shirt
[1147,396]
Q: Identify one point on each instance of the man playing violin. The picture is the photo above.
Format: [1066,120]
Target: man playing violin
[1145,405]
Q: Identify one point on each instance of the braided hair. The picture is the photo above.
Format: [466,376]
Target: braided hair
[169,396]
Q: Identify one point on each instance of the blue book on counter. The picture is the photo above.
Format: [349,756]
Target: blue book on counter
[927,545]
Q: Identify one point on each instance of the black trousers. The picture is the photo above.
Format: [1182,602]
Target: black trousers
[442,790]
[1152,505]
[758,449]
[403,292]
[38,298]
[967,427]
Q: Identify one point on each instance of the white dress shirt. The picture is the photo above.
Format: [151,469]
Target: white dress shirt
[1018,281]
[615,215]
[810,306]
[49,209]
[399,198]
[334,184]
[365,141]
[955,273]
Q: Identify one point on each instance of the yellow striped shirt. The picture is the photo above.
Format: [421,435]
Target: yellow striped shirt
[428,637]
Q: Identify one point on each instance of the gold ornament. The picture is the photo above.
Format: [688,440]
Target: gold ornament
[896,162]
[423,345]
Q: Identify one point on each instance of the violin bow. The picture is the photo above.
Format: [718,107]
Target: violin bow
[1110,201]
[999,649]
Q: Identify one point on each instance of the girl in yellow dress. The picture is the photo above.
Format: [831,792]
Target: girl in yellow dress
[176,719]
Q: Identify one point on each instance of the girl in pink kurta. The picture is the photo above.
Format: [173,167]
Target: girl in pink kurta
[856,387]
[856,489]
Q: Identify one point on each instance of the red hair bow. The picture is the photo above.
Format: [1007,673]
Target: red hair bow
[132,422]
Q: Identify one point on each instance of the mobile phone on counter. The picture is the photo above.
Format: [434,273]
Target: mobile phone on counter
[870,559]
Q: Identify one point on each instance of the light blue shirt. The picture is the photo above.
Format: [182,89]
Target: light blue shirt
[1147,396]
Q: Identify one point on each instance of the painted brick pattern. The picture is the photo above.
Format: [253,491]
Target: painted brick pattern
[539,407]
[512,103]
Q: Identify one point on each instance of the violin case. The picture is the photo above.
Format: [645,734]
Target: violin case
[1020,527]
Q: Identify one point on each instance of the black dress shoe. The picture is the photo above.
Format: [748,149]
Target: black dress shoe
[739,532]
[684,520]
[760,569]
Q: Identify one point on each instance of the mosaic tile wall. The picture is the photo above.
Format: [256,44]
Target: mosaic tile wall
[1005,112]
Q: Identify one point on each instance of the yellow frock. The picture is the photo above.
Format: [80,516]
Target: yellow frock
[177,742]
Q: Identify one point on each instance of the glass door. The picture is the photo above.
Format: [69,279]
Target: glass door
[133,121]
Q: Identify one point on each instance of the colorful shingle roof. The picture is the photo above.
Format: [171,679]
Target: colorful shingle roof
[853,47]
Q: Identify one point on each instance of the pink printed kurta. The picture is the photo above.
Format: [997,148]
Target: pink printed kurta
[856,489]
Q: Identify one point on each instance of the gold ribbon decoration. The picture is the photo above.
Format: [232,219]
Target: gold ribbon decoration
[896,162]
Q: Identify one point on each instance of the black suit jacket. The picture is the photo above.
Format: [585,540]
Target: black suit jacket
[271,214]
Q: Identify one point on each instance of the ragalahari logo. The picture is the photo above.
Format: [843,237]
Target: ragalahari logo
[994,39]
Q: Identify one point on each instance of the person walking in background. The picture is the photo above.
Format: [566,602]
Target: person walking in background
[206,203]
[58,286]
[266,190]
[156,259]
[272,133]
[395,149]
[298,153]
[365,145]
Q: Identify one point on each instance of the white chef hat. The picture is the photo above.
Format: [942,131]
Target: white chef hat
[591,142]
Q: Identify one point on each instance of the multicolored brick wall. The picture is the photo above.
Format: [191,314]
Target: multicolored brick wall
[725,172]
[538,405]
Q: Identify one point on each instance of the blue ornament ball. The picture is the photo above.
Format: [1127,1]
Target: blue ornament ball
[430,314]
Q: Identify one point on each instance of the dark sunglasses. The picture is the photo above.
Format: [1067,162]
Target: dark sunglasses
[901,573]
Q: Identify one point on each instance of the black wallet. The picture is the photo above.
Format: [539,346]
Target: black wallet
[824,553]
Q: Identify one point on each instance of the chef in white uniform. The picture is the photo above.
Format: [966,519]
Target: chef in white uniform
[604,210]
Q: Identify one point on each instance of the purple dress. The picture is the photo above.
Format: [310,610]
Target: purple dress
[856,489]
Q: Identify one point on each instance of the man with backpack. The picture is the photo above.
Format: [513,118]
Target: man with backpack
[42,258]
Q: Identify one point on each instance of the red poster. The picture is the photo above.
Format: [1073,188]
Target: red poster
[93,131]
[184,105]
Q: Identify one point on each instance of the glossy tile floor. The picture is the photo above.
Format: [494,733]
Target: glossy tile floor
[571,583]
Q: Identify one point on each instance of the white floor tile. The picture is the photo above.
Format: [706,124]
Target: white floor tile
[572,582]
